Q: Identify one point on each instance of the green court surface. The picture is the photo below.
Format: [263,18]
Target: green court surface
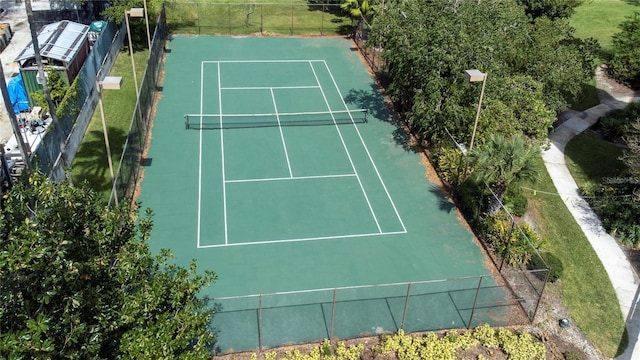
[274,188]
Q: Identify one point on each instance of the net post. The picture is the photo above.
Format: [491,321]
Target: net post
[186,121]
[366,112]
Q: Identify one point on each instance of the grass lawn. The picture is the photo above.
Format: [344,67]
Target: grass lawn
[232,17]
[90,163]
[600,19]
[590,159]
[586,290]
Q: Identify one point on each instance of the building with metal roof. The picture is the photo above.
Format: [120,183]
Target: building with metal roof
[64,47]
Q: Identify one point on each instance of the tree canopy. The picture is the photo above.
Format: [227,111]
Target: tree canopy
[79,281]
[534,66]
[625,65]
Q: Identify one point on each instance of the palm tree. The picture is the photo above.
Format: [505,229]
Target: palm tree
[358,8]
[501,163]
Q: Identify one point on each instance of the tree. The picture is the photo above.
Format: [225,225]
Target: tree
[59,90]
[79,281]
[550,8]
[631,155]
[502,163]
[427,45]
[625,65]
[358,8]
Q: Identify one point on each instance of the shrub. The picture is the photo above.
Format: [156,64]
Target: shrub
[516,202]
[518,244]
[450,164]
[619,214]
[625,66]
[614,124]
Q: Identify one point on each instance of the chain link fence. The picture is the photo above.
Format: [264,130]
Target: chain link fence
[60,144]
[370,53]
[132,158]
[256,19]
[263,321]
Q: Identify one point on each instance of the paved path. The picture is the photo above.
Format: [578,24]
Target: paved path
[624,279]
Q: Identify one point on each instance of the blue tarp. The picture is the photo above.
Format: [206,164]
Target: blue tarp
[18,95]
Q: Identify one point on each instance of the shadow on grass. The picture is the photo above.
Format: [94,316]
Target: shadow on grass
[587,98]
[90,163]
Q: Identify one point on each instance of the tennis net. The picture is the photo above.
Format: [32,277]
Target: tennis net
[238,121]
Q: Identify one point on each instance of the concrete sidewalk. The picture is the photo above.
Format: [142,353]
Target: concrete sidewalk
[624,279]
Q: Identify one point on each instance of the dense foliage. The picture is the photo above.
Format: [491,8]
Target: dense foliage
[503,163]
[79,282]
[534,67]
[625,65]
[513,345]
[616,198]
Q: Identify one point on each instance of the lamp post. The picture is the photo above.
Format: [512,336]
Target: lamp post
[475,75]
[109,83]
[133,12]
[146,23]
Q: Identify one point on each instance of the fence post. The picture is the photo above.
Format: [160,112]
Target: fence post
[291,19]
[544,285]
[322,21]
[260,323]
[229,17]
[406,305]
[261,20]
[333,314]
[475,302]
[505,253]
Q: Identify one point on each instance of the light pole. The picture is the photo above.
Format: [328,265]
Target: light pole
[475,75]
[146,23]
[133,12]
[109,83]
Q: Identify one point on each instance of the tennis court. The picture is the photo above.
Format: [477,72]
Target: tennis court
[273,162]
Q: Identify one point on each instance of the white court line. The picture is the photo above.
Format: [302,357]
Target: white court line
[344,145]
[200,156]
[270,87]
[302,239]
[291,178]
[284,144]
[367,151]
[224,184]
